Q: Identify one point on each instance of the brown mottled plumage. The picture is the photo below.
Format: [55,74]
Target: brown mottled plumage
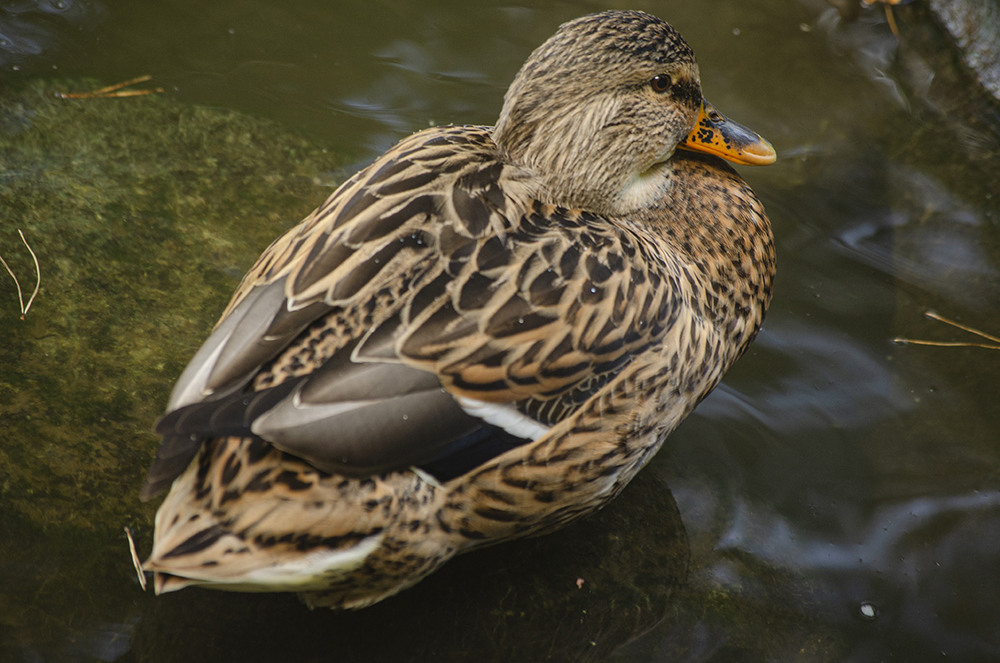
[485,334]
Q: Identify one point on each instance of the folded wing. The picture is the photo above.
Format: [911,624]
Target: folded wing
[429,314]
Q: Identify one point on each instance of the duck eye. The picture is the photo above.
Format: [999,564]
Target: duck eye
[661,83]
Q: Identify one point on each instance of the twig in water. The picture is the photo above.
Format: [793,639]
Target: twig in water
[953,344]
[38,278]
[140,574]
[112,90]
[890,19]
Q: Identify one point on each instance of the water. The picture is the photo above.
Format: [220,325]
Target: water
[838,493]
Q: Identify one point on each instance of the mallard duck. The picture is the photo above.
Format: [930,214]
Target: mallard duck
[482,335]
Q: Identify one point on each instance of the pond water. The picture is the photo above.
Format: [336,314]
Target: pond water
[837,498]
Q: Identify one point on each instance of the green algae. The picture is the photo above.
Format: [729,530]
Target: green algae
[143,212]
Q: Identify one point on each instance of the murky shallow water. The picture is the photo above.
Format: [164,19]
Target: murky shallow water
[838,493]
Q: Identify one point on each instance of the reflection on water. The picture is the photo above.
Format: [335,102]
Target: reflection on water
[838,493]
[929,239]
[883,561]
[818,378]
[30,32]
[607,583]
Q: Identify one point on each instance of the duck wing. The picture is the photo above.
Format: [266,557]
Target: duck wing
[430,313]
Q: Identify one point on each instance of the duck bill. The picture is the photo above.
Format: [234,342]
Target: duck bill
[716,134]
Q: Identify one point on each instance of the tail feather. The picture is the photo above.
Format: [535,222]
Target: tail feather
[185,429]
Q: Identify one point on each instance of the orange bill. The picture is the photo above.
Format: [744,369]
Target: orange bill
[716,134]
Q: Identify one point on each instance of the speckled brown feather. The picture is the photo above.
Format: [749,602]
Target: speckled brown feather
[468,270]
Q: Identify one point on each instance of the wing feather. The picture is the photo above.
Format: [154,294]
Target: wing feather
[429,298]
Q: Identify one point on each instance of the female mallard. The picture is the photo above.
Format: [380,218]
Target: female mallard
[483,335]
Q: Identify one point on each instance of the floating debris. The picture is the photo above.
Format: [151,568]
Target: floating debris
[868,611]
[38,278]
[888,5]
[112,91]
[995,345]
[139,573]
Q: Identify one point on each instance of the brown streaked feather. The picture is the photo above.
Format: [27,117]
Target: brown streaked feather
[524,318]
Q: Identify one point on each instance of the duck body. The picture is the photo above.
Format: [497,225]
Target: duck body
[464,344]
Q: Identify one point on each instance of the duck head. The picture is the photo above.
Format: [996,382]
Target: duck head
[598,110]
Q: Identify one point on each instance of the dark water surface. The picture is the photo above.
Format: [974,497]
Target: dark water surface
[836,499]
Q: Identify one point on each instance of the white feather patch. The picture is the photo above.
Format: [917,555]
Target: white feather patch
[312,571]
[505,417]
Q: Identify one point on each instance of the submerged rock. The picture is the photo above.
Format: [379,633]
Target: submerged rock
[143,212]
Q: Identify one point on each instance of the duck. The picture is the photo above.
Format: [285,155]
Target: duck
[483,335]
